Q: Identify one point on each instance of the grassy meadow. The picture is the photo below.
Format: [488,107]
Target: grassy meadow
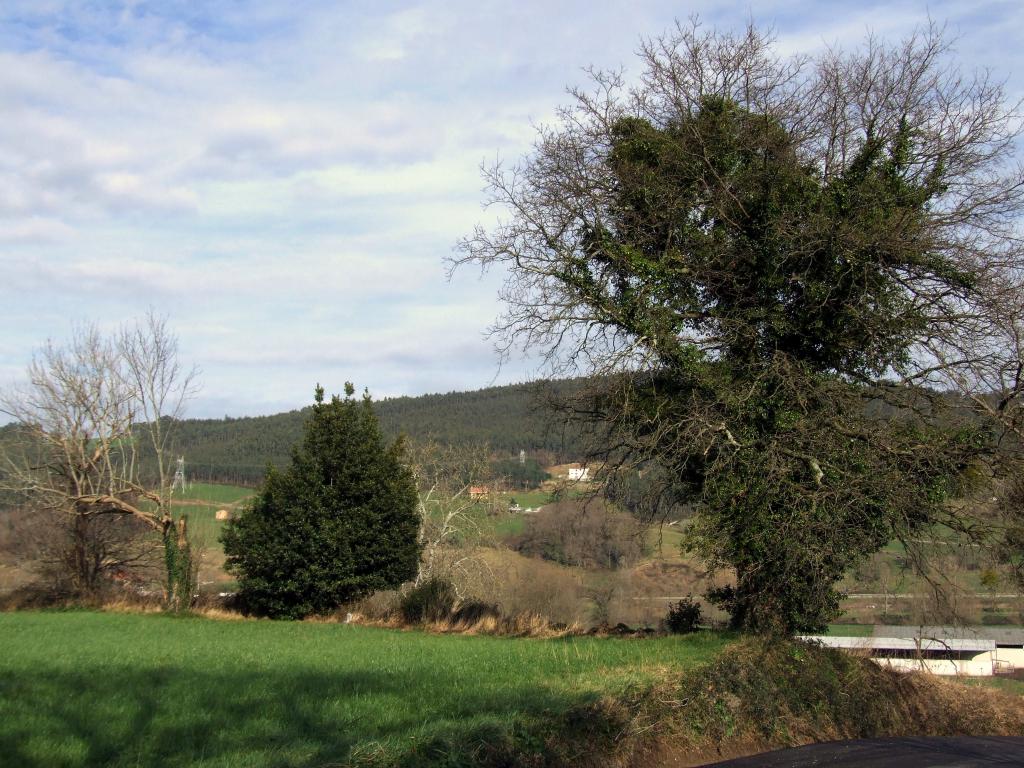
[214,493]
[83,688]
[200,502]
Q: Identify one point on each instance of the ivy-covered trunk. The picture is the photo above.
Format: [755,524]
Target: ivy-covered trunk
[181,570]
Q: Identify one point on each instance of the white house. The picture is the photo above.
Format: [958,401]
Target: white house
[579,473]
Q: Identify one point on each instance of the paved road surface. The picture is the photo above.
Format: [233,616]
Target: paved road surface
[951,752]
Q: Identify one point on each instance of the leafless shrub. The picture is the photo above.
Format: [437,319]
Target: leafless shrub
[588,533]
[601,593]
[74,556]
[379,606]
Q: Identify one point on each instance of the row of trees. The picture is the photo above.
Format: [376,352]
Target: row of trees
[774,269]
[87,479]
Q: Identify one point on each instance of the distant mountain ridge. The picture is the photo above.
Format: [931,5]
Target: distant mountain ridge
[507,419]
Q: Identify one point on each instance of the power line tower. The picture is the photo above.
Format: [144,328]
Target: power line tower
[179,475]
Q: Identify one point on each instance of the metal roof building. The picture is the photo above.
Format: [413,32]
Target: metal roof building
[1003,637]
[974,651]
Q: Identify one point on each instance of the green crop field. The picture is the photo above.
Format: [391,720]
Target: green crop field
[203,525]
[213,493]
[200,502]
[84,688]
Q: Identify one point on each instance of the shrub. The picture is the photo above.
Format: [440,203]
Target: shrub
[379,606]
[684,617]
[778,692]
[433,600]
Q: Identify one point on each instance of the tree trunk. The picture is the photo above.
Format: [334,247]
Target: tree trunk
[178,595]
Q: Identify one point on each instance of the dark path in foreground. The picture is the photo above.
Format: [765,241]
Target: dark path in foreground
[939,752]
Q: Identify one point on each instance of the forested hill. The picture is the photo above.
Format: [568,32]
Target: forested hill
[506,419]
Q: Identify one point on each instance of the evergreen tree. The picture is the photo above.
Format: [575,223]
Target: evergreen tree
[338,524]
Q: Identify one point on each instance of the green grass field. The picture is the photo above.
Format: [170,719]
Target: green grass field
[511,525]
[213,493]
[665,542]
[203,525]
[200,502]
[83,688]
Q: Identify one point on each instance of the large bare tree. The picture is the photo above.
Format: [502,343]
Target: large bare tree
[93,423]
[771,266]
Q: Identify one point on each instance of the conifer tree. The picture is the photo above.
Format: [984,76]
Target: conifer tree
[338,524]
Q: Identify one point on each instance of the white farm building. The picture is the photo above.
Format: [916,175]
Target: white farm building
[969,651]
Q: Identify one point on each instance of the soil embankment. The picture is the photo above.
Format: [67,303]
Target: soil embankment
[760,695]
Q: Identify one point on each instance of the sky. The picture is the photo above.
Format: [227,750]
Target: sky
[283,180]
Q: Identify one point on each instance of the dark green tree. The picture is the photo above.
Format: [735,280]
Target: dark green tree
[338,524]
[772,265]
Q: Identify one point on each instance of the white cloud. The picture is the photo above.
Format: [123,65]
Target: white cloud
[285,184]
[34,230]
[398,32]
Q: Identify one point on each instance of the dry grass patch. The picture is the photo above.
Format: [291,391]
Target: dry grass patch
[521,625]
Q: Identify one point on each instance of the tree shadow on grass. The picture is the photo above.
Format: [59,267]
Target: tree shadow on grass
[167,716]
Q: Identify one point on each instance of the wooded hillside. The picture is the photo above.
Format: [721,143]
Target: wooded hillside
[506,419]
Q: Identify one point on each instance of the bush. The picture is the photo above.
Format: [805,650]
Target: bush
[534,586]
[76,557]
[994,617]
[433,600]
[684,617]
[380,606]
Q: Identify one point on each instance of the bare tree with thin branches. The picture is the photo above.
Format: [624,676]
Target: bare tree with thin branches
[450,533]
[94,420]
